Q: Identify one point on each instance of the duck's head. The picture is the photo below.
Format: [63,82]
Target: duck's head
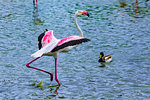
[101,55]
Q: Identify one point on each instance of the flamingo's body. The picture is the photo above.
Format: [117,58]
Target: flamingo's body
[53,46]
[49,45]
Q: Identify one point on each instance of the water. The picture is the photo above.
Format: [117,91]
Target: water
[123,32]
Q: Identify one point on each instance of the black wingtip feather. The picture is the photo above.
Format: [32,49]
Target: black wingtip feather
[70,43]
[40,37]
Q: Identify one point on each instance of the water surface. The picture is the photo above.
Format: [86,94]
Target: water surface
[123,32]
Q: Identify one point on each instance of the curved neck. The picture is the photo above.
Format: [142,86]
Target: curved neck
[80,31]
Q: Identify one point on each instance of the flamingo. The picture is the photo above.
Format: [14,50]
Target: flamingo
[49,45]
[136,3]
[34,2]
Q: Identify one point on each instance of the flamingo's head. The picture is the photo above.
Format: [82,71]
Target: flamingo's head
[81,12]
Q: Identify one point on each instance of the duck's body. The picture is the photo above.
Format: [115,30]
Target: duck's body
[103,58]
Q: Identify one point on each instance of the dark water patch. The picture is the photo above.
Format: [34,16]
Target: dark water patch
[10,66]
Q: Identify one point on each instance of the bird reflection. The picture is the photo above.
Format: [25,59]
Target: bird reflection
[35,6]
[123,3]
[34,3]
[136,10]
[102,65]
[136,3]
[36,20]
[56,90]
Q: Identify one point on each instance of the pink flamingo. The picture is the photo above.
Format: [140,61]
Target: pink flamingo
[34,2]
[136,3]
[50,46]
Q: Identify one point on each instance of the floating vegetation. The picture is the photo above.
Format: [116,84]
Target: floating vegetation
[52,86]
[33,84]
[61,97]
[40,84]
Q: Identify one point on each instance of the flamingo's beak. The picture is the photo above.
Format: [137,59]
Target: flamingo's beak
[88,15]
[85,13]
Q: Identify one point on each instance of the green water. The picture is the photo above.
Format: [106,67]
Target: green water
[122,32]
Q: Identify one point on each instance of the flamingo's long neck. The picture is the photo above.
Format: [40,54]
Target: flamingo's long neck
[79,29]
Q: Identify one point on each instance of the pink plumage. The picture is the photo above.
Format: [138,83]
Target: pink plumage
[48,37]
[70,38]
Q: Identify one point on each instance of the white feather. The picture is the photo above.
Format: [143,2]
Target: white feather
[109,60]
[46,49]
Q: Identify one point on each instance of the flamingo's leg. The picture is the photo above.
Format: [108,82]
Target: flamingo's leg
[36,2]
[28,65]
[136,3]
[56,72]
[33,2]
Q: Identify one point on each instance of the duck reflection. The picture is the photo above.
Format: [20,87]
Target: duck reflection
[102,65]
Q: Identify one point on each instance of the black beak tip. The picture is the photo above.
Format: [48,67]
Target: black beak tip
[88,15]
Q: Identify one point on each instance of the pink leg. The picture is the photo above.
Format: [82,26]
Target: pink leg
[56,71]
[37,7]
[136,3]
[38,68]
[36,3]
[33,2]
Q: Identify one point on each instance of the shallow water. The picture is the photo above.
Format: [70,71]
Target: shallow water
[123,32]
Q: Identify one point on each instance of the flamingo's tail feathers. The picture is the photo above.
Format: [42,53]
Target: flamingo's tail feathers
[46,49]
[39,53]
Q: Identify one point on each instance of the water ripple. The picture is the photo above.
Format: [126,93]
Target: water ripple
[122,31]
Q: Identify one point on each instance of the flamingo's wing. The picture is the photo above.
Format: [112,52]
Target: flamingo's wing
[69,41]
[45,38]
[40,39]
[50,46]
[47,42]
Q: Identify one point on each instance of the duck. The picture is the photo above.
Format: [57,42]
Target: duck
[103,58]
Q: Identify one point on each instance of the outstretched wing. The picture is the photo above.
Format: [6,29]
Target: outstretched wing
[45,38]
[48,48]
[47,42]
[40,39]
[69,41]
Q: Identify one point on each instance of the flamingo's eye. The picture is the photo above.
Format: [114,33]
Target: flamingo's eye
[79,11]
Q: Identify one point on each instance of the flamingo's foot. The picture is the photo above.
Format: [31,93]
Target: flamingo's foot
[51,76]
[57,82]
